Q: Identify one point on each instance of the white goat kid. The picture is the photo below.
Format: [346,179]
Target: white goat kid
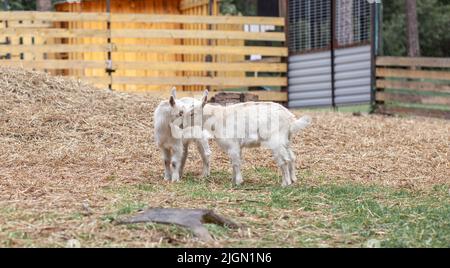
[253,124]
[171,140]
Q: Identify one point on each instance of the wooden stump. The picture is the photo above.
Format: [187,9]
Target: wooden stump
[193,219]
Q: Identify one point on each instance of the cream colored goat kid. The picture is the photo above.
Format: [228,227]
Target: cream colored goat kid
[253,124]
[173,142]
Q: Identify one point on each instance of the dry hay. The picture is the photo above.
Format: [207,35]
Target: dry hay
[63,141]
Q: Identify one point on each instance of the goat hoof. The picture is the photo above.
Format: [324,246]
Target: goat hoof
[206,174]
[175,178]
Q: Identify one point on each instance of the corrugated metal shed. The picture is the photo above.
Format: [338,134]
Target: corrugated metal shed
[310,77]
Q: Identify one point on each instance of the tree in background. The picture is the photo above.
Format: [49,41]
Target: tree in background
[412,29]
[432,16]
[18,5]
[433,24]
[42,5]
[345,21]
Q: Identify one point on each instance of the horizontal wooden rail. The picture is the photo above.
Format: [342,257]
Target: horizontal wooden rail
[147,65]
[214,50]
[413,98]
[398,73]
[414,111]
[144,33]
[54,64]
[187,19]
[53,16]
[414,86]
[53,33]
[138,18]
[169,49]
[202,81]
[413,62]
[201,66]
[54,48]
[198,34]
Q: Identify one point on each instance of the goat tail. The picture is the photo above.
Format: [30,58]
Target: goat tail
[300,124]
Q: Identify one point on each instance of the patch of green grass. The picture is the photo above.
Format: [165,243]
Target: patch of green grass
[265,172]
[418,105]
[77,216]
[146,187]
[217,231]
[397,217]
[18,235]
[125,207]
[199,188]
[130,207]
[315,212]
[255,209]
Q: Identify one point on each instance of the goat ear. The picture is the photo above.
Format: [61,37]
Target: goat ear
[205,98]
[173,96]
[173,92]
[172,101]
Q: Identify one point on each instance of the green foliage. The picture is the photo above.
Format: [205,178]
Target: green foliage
[228,7]
[20,4]
[17,5]
[241,7]
[433,27]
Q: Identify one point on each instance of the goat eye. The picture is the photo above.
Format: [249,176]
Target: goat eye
[181,113]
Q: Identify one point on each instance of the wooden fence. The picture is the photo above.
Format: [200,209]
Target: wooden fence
[417,86]
[122,56]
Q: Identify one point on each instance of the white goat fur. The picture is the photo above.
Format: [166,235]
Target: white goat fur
[253,124]
[175,149]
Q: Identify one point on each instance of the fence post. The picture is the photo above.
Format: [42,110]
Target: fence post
[333,44]
[208,57]
[374,27]
[283,12]
[7,41]
[109,67]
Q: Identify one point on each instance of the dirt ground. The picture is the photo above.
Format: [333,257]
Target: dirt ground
[72,158]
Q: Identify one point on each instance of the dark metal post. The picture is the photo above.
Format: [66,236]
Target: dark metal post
[333,44]
[210,13]
[7,41]
[109,68]
[283,8]
[209,57]
[373,51]
[379,31]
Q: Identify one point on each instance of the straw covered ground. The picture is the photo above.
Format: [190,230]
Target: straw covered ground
[74,158]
